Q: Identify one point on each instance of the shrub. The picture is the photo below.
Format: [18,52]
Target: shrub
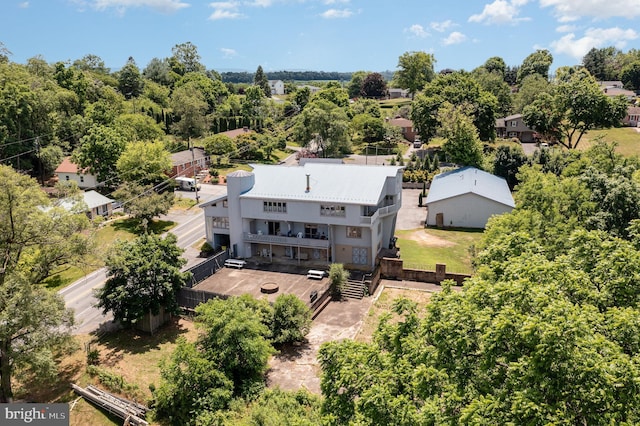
[291,319]
[338,277]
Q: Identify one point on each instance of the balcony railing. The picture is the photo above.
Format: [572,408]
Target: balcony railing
[382,211]
[286,241]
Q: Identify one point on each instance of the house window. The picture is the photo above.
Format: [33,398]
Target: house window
[274,207]
[66,177]
[81,178]
[225,203]
[220,222]
[332,210]
[354,232]
[514,124]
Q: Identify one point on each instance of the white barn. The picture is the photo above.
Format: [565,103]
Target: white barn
[467,198]
[319,212]
[277,87]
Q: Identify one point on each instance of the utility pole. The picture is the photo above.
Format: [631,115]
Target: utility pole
[193,164]
[37,146]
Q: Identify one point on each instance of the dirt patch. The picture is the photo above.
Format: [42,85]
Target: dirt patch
[427,240]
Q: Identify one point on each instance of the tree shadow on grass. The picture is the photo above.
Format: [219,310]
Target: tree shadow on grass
[134,226]
[131,341]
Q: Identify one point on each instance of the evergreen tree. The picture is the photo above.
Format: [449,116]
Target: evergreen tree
[261,80]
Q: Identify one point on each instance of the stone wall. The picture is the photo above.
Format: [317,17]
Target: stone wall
[391,268]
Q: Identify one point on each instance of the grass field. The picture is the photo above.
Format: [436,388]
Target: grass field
[627,138]
[423,248]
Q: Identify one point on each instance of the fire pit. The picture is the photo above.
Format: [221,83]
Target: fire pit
[269,288]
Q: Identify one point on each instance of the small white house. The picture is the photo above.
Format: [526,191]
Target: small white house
[467,198]
[68,171]
[95,204]
[277,87]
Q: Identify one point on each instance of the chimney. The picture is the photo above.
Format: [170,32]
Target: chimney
[308,185]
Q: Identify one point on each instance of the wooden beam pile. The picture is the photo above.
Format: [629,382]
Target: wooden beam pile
[131,412]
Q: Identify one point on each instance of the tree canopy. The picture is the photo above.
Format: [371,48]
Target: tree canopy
[415,70]
[143,276]
[572,107]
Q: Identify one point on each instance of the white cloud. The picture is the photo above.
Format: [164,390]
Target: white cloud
[454,38]
[23,5]
[164,6]
[336,13]
[566,28]
[225,10]
[417,30]
[441,26]
[228,53]
[500,12]
[327,2]
[593,37]
[570,10]
[261,3]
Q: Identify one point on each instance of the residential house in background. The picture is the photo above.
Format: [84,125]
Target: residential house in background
[277,87]
[616,88]
[68,171]
[96,204]
[633,117]
[188,164]
[514,127]
[312,89]
[408,131]
[317,213]
[396,93]
[467,198]
[236,132]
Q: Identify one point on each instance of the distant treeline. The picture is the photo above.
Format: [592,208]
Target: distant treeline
[247,77]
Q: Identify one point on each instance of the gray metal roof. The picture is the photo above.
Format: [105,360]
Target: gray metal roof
[470,180]
[341,183]
[94,199]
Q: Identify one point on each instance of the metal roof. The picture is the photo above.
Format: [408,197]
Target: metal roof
[470,180]
[340,183]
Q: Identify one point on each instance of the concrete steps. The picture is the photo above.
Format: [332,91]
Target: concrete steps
[353,290]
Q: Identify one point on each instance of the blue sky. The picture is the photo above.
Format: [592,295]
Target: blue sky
[320,35]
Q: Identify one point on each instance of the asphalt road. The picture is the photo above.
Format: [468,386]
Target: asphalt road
[79,295]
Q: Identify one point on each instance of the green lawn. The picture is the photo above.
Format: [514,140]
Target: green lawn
[105,236]
[423,248]
[628,139]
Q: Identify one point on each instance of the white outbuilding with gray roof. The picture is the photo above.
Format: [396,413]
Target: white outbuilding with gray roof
[467,198]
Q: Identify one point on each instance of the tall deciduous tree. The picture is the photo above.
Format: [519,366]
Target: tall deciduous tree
[323,126]
[190,106]
[35,239]
[536,63]
[143,276]
[236,339]
[573,107]
[415,71]
[374,86]
[144,163]
[185,58]
[99,151]
[144,202]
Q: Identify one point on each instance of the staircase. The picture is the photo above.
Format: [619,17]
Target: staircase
[353,290]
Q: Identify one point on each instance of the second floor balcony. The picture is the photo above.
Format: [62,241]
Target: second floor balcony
[294,241]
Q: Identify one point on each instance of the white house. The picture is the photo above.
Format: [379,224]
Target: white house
[467,198]
[318,212]
[96,204]
[68,171]
[277,87]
